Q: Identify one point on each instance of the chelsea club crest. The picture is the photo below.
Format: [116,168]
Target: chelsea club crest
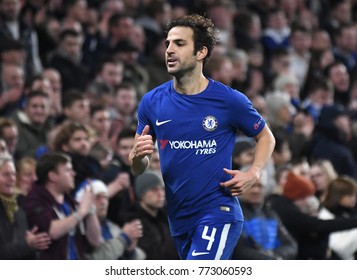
[209,123]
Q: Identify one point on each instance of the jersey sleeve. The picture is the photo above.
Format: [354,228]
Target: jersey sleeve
[243,115]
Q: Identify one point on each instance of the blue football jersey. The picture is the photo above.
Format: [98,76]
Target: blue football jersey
[195,136]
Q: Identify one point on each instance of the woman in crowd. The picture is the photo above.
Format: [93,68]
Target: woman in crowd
[16,241]
[339,202]
[322,173]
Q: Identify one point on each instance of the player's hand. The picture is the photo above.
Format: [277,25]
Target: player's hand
[240,181]
[144,145]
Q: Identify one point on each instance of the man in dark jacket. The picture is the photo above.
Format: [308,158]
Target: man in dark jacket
[33,123]
[67,60]
[156,240]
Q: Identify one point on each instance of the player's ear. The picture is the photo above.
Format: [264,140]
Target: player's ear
[201,54]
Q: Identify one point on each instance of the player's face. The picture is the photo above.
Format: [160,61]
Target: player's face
[180,57]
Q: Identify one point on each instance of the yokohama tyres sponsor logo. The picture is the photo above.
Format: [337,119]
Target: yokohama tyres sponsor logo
[201,146]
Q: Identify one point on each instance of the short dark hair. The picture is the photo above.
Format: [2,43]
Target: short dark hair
[72,96]
[49,162]
[125,85]
[106,60]
[126,133]
[204,32]
[115,19]
[36,93]
[97,108]
[68,33]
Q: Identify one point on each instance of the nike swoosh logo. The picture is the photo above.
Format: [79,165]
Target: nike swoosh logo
[161,123]
[194,253]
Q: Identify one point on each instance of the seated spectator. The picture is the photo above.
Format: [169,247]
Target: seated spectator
[300,42]
[74,140]
[156,240]
[75,107]
[49,207]
[345,47]
[33,123]
[118,243]
[319,94]
[264,237]
[108,72]
[280,111]
[277,31]
[288,83]
[339,202]
[42,83]
[16,241]
[100,122]
[13,52]
[67,61]
[340,78]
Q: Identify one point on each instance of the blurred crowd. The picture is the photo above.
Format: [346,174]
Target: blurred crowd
[72,75]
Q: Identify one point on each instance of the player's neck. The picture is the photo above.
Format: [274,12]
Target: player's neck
[190,84]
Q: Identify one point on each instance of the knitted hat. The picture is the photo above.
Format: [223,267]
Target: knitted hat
[298,187]
[147,181]
[96,185]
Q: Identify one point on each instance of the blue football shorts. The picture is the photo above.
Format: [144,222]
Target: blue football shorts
[212,241]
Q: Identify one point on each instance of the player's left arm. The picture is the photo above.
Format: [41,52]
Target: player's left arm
[242,180]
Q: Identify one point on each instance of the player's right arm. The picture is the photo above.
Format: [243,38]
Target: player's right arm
[139,157]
